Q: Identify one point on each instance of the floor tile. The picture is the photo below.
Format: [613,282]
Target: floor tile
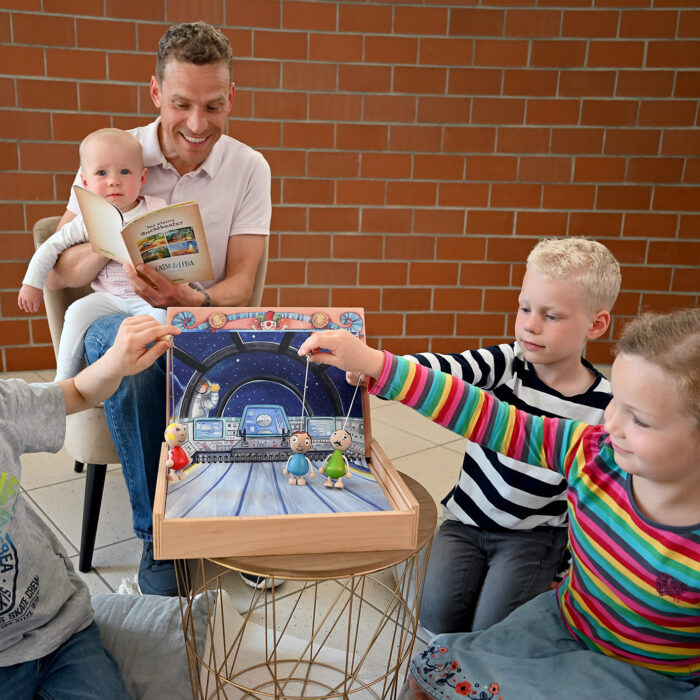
[396,442]
[115,562]
[411,421]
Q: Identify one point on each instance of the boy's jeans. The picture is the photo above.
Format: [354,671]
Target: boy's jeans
[81,668]
[136,416]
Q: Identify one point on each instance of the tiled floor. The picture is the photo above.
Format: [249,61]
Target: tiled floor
[423,450]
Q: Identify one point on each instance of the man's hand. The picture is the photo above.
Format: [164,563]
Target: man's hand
[29,298]
[158,290]
[344,350]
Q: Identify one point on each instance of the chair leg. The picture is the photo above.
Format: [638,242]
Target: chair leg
[78,467]
[94,487]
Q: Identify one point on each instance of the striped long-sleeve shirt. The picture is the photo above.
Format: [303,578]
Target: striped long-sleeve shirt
[495,492]
[633,592]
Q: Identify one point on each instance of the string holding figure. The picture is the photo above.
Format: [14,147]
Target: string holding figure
[176,436]
[300,442]
[336,465]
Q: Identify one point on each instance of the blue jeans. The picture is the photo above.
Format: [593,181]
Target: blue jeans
[136,418]
[476,578]
[80,669]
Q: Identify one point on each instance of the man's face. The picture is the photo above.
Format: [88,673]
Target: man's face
[194,102]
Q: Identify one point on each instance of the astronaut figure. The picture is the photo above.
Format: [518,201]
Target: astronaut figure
[299,465]
[336,465]
[206,398]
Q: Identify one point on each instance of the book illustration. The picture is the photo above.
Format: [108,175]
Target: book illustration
[171,240]
[239,394]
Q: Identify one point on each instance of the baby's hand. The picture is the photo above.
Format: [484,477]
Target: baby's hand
[29,298]
[343,350]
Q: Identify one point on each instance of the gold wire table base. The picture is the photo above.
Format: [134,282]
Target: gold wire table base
[321,640]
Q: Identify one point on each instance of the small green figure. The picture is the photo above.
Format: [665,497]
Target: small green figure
[336,464]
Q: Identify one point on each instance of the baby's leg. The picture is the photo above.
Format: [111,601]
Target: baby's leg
[137,306]
[80,315]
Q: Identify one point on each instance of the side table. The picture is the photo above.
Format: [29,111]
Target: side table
[322,639]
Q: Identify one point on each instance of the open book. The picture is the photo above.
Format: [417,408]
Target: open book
[171,240]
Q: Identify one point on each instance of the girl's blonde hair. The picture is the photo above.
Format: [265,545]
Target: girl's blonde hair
[672,342]
[586,263]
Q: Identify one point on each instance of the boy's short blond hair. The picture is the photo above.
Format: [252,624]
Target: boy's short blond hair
[124,138]
[586,263]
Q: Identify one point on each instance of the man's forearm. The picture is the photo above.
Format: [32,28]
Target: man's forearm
[232,291]
[75,267]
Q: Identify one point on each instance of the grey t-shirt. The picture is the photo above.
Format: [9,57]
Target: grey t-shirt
[43,602]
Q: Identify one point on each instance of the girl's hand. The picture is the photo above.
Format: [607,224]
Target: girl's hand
[344,350]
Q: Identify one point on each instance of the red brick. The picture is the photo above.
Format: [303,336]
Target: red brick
[587,83]
[603,169]
[672,54]
[131,67]
[307,296]
[415,138]
[261,13]
[384,220]
[305,246]
[69,63]
[389,165]
[589,23]
[556,111]
[533,23]
[361,192]
[562,54]
[493,110]
[689,226]
[357,247]
[568,196]
[265,74]
[489,222]
[594,223]
[46,94]
[26,186]
[497,52]
[402,299]
[363,18]
[680,142]
[676,198]
[104,97]
[685,280]
[9,155]
[655,169]
[308,15]
[40,331]
[409,247]
[365,137]
[210,11]
[419,80]
[476,323]
[27,358]
[106,34]
[386,108]
[433,273]
[16,246]
[74,127]
[692,172]
[49,156]
[633,141]
[626,251]
[544,169]
[256,134]
[516,196]
[280,105]
[474,81]
[530,82]
[448,52]
[12,216]
[647,278]
[366,297]
[500,299]
[335,47]
[648,23]
[17,332]
[623,197]
[450,110]
[687,83]
[334,219]
[469,139]
[286,163]
[644,83]
[476,22]
[432,324]
[498,168]
[42,29]
[405,346]
[650,225]
[7,92]
[365,78]
[388,324]
[391,50]
[287,219]
[286,272]
[667,113]
[462,248]
[440,221]
[463,194]
[411,193]
[423,20]
[289,46]
[333,164]
[609,112]
[484,274]
[383,273]
[135,9]
[663,303]
[540,223]
[304,190]
[75,7]
[438,167]
[307,135]
[577,140]
[689,24]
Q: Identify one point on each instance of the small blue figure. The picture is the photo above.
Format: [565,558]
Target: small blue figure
[298,465]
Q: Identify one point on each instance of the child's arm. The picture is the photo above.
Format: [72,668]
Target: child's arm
[130,354]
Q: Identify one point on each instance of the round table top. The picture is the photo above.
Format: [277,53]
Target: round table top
[329,565]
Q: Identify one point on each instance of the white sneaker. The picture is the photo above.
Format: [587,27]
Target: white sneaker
[260,581]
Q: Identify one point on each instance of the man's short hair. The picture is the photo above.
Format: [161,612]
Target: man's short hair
[586,263]
[193,42]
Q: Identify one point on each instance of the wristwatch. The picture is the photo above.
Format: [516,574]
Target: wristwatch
[207,298]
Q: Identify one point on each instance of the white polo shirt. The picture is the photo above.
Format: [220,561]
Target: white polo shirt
[232,187]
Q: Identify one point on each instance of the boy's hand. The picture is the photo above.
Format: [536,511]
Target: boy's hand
[345,351]
[29,298]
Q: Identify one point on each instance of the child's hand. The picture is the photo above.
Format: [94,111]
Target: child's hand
[129,354]
[345,351]
[29,298]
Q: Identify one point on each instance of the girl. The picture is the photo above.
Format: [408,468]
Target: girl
[625,623]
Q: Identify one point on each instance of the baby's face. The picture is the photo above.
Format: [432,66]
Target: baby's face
[113,172]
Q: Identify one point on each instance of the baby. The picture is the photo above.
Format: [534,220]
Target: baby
[111,165]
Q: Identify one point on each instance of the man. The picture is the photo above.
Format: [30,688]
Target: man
[188,157]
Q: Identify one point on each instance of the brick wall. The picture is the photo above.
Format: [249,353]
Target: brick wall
[418,149]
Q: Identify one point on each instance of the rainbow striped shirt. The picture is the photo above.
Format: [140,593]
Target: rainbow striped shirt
[633,592]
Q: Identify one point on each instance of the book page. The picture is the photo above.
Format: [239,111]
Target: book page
[171,240]
[103,222]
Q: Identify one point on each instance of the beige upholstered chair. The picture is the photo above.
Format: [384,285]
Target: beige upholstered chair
[88,440]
